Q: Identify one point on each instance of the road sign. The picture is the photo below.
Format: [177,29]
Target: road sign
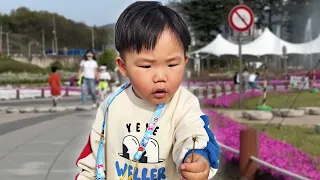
[241,18]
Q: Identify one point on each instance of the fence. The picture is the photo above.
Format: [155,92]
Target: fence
[210,91]
[249,159]
[10,94]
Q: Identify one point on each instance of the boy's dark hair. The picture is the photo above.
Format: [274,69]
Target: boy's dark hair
[54,69]
[140,25]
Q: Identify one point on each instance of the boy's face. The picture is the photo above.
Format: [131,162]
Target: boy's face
[156,74]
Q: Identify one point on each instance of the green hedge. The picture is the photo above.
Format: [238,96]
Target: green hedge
[9,65]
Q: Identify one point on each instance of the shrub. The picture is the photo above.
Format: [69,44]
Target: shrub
[9,65]
[108,58]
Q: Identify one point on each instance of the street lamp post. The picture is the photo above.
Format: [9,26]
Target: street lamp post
[284,53]
[8,43]
[92,38]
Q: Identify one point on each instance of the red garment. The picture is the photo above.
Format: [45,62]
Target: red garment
[54,81]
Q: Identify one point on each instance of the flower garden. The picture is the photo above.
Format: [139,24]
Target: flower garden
[274,151]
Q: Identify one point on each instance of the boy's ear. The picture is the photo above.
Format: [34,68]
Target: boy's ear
[122,66]
[186,59]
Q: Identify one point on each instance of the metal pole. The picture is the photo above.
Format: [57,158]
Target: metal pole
[0,40]
[240,70]
[8,44]
[29,50]
[53,49]
[92,34]
[55,35]
[43,43]
[314,79]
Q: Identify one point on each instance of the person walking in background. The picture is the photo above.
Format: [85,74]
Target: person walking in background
[245,78]
[236,78]
[104,79]
[55,85]
[89,70]
[252,80]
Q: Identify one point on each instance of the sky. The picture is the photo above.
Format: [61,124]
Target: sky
[91,12]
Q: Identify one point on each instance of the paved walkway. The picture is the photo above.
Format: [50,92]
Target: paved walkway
[42,101]
[44,149]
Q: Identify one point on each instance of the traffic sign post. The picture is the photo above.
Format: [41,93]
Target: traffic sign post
[241,19]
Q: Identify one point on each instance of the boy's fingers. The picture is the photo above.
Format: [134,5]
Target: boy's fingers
[192,176]
[188,160]
[195,167]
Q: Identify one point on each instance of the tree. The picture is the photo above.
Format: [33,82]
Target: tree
[299,11]
[206,18]
[291,15]
[108,58]
[266,11]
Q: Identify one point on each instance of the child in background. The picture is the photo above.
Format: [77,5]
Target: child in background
[55,85]
[104,78]
[151,127]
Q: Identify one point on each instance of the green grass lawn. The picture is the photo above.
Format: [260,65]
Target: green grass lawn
[304,138]
[305,99]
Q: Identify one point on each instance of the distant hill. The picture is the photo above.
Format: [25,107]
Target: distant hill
[108,26]
[26,26]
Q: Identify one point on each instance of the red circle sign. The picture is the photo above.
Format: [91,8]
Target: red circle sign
[241,18]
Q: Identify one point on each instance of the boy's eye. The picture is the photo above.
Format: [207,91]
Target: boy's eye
[172,65]
[146,67]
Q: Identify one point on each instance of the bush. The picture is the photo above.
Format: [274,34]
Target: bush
[108,58]
[9,65]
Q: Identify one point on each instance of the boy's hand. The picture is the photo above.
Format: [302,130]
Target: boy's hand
[199,169]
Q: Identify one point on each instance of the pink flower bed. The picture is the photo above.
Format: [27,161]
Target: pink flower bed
[276,152]
[228,83]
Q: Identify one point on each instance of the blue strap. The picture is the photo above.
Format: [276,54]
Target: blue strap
[100,170]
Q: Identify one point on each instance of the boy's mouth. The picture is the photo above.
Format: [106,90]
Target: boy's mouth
[159,93]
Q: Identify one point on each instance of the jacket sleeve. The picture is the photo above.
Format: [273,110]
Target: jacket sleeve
[194,122]
[87,159]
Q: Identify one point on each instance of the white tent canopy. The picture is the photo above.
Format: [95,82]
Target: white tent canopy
[219,46]
[266,44]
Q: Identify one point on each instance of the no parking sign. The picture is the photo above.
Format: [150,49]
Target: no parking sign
[241,18]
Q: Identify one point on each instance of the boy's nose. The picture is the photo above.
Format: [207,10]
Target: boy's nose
[160,77]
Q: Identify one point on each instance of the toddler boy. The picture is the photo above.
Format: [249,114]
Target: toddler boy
[145,129]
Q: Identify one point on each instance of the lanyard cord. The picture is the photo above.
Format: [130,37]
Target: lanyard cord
[100,170]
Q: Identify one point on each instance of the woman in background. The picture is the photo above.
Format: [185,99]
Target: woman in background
[89,71]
